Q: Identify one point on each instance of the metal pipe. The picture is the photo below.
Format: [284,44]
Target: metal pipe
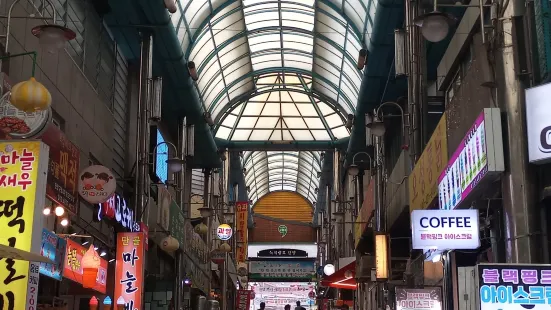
[379,209]
[142,138]
[225,283]
[206,174]
[330,226]
[523,243]
[180,198]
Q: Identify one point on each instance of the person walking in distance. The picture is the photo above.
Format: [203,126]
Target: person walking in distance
[287,307]
[299,307]
[262,306]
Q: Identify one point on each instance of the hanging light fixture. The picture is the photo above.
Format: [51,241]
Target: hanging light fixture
[435,25]
[201,229]
[52,38]
[90,266]
[175,164]
[225,247]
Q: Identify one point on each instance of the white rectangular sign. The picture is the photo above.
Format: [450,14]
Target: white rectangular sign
[538,123]
[445,230]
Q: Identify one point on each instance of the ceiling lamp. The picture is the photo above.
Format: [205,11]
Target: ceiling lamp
[52,38]
[30,96]
[435,25]
[329,269]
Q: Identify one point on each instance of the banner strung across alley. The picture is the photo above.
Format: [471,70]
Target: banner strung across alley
[282,270]
[129,269]
[514,286]
[64,162]
[73,266]
[428,298]
[23,167]
[242,209]
[243,299]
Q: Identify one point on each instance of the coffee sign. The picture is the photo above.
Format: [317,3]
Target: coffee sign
[116,209]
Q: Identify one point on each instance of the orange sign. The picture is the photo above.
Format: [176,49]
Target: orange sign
[242,209]
[129,269]
[73,267]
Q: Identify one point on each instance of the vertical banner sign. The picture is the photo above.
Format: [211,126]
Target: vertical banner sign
[423,181]
[23,168]
[514,287]
[64,161]
[243,299]
[129,271]
[418,299]
[242,209]
[365,213]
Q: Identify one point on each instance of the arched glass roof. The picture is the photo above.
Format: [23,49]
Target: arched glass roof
[275,171]
[251,53]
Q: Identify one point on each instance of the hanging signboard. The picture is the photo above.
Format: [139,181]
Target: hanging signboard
[242,215]
[17,124]
[280,270]
[243,299]
[96,184]
[445,230]
[24,166]
[478,159]
[513,286]
[224,232]
[73,266]
[129,269]
[282,253]
[116,209]
[164,200]
[53,248]
[365,213]
[64,162]
[423,181]
[428,298]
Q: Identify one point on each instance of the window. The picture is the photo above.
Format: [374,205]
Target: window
[93,49]
[161,156]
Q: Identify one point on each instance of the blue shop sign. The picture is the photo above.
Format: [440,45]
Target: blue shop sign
[504,286]
[53,248]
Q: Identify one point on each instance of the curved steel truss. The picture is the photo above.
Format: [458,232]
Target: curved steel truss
[285,65]
[276,171]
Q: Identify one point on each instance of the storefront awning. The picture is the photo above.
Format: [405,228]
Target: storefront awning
[339,279]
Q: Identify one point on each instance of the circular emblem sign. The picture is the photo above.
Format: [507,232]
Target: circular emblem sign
[224,232]
[16,124]
[311,295]
[96,184]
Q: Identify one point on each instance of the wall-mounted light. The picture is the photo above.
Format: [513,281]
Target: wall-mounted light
[349,121]
[59,211]
[362,59]
[64,222]
[192,71]
[329,269]
[435,25]
[382,256]
[47,211]
[52,38]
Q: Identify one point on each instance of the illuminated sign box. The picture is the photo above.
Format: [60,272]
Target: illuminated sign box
[477,160]
[445,230]
[538,124]
[513,286]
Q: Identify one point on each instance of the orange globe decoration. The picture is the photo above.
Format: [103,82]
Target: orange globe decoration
[90,267]
[30,96]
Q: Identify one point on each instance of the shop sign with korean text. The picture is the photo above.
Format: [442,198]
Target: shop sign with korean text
[64,162]
[129,269]
[243,299]
[242,209]
[73,266]
[428,298]
[53,248]
[445,229]
[477,160]
[538,123]
[176,222]
[195,246]
[281,270]
[423,181]
[365,213]
[514,286]
[282,253]
[116,209]
[23,175]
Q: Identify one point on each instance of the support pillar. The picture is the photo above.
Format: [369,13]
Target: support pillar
[523,238]
[206,177]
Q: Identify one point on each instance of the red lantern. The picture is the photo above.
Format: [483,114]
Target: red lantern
[90,266]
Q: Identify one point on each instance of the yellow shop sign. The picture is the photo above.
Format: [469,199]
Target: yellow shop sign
[423,181]
[23,175]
